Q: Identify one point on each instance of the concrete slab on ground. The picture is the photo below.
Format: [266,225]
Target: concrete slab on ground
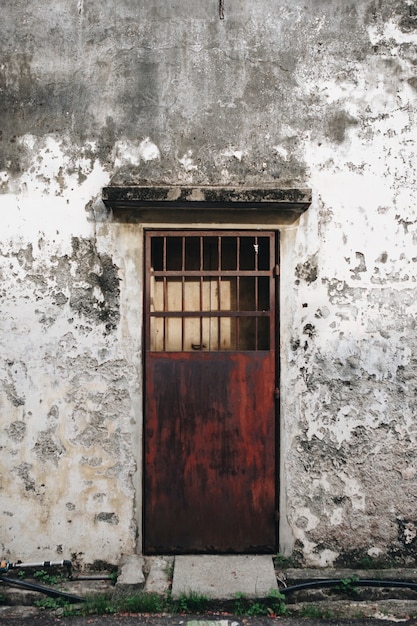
[222,577]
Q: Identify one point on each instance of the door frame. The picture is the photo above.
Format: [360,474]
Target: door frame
[130,210]
[215,228]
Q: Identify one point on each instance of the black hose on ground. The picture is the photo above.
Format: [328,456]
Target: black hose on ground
[52,593]
[341,583]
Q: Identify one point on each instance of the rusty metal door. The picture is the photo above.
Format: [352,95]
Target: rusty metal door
[210,387]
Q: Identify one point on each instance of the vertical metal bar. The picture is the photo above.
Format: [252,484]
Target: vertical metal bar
[238,292]
[200,269]
[238,277]
[256,250]
[182,291]
[164,293]
[220,244]
[273,296]
[219,265]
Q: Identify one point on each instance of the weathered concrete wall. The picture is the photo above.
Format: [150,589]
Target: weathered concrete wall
[312,93]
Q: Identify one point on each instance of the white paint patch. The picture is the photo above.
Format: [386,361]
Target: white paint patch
[307,520]
[354,491]
[237,154]
[187,161]
[126,152]
[408,473]
[149,151]
[374,552]
[337,517]
[54,173]
[325,558]
[390,32]
[281,152]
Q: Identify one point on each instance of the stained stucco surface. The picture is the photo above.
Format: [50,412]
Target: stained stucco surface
[318,94]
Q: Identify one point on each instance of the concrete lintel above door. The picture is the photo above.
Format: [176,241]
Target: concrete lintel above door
[280,205]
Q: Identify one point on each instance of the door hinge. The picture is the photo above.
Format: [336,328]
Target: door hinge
[276,271]
[276,393]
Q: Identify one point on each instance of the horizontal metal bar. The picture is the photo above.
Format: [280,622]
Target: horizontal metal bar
[208,314]
[208,273]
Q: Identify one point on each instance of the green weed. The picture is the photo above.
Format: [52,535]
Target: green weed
[99,605]
[191,602]
[347,586]
[314,612]
[376,562]
[51,603]
[256,609]
[284,562]
[273,605]
[47,578]
[142,603]
[276,602]
[241,604]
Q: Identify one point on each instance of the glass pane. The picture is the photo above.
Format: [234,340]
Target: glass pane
[263,293]
[263,333]
[192,339]
[210,289]
[210,253]
[174,294]
[192,253]
[157,294]
[227,333]
[192,294]
[211,332]
[229,253]
[174,253]
[247,253]
[228,291]
[157,334]
[247,287]
[264,259]
[157,253]
[173,334]
[247,333]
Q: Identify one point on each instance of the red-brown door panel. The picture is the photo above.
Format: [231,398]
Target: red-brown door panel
[210,452]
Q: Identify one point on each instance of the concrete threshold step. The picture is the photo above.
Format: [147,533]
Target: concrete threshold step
[222,577]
